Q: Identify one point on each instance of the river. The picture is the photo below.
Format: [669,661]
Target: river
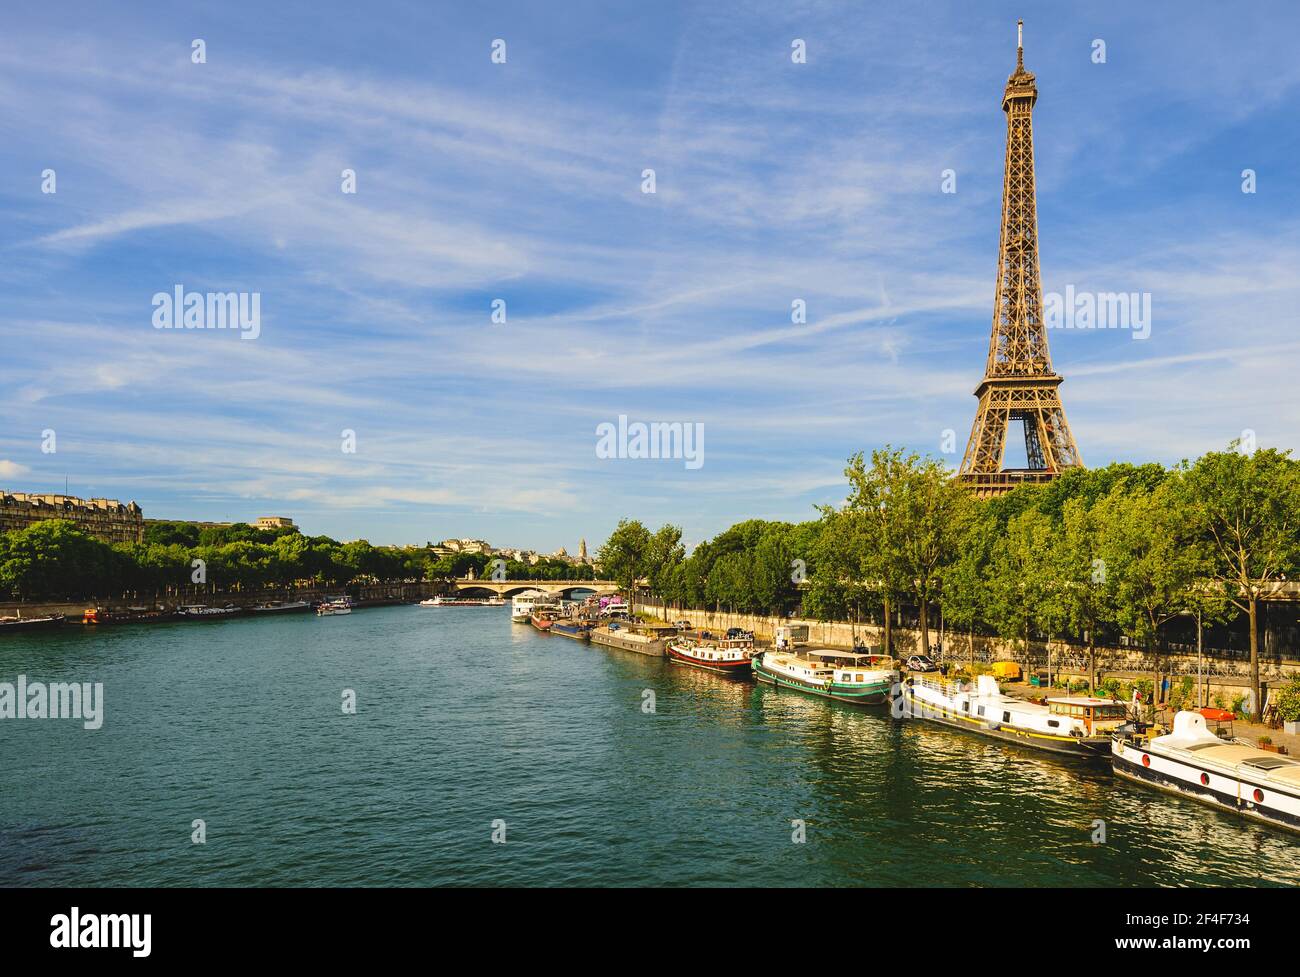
[468,726]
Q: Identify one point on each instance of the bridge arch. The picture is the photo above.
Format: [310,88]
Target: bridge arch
[508,588]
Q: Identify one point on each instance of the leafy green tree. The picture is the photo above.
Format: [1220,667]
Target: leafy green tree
[967,588]
[1151,571]
[662,557]
[911,508]
[1247,509]
[1020,595]
[1081,572]
[625,555]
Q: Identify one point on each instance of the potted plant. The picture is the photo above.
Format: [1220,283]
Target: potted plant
[1288,706]
[1266,743]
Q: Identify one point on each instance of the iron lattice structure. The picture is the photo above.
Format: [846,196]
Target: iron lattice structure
[1019,382]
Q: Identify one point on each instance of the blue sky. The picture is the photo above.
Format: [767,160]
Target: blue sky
[522,181]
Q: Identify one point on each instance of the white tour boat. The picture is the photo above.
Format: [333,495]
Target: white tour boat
[1194,762]
[1074,725]
[521,605]
[332,607]
[441,601]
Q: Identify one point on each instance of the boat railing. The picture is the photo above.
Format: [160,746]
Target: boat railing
[943,686]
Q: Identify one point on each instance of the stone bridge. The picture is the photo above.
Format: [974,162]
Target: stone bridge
[507,588]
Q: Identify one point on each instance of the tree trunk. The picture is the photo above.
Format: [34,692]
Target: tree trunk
[1092,666]
[970,635]
[1255,706]
[1155,686]
[888,650]
[925,626]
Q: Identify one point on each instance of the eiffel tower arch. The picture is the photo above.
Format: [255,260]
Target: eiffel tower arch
[1019,383]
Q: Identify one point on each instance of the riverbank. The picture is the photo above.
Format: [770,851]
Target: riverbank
[1223,678]
[364,595]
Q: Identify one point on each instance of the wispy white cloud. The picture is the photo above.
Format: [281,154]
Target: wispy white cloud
[776,182]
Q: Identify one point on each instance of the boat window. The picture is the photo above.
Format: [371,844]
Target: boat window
[1054,723]
[965,707]
[862,678]
[1006,717]
[981,712]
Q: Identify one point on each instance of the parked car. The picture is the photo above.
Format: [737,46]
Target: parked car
[682,625]
[739,633]
[921,663]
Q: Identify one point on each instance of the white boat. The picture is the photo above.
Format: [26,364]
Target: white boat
[441,601]
[281,607]
[1192,761]
[203,611]
[332,607]
[521,605]
[1075,725]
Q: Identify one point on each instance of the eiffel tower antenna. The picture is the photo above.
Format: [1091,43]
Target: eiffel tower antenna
[1019,383]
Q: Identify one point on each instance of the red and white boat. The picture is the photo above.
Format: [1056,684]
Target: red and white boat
[729,655]
[543,618]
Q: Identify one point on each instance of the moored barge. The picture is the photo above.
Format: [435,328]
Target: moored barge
[1195,763]
[1072,725]
[845,676]
[728,655]
[572,628]
[644,639]
[12,625]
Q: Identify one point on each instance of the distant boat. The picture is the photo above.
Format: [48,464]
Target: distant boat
[282,607]
[441,601]
[333,607]
[202,612]
[10,625]
[571,628]
[644,639]
[521,606]
[543,618]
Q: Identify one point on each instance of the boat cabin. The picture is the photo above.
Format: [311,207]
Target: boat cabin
[1098,715]
[847,666]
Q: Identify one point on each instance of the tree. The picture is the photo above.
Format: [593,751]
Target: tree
[1247,508]
[966,595]
[1021,594]
[1150,570]
[911,507]
[624,555]
[663,554]
[1082,572]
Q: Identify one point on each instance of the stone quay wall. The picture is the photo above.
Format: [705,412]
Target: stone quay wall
[1224,673]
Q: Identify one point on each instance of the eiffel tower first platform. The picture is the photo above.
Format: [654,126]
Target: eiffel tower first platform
[1019,382]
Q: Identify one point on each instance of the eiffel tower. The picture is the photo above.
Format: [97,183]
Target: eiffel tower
[1019,382]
